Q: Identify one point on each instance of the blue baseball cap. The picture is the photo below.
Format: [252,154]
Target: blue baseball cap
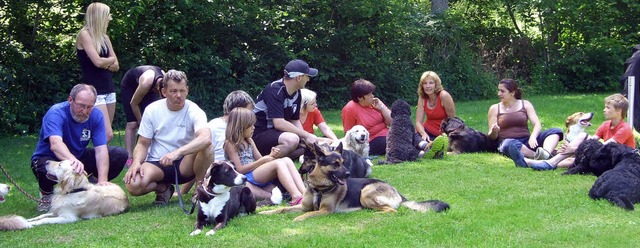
[298,67]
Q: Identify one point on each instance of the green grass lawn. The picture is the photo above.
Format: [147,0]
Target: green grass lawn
[493,204]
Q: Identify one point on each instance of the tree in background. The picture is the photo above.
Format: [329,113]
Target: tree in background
[548,45]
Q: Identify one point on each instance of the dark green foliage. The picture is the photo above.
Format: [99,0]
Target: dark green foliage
[224,45]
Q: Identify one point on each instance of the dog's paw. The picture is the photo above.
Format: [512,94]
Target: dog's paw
[276,196]
[195,232]
[210,232]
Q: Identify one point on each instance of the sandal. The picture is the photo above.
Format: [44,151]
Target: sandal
[297,201]
[129,162]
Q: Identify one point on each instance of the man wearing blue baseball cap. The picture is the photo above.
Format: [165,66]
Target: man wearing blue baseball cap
[277,112]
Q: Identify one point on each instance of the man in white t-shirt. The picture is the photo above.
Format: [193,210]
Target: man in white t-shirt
[173,136]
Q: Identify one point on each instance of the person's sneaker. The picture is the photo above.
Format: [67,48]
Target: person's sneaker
[445,146]
[44,203]
[438,148]
[162,198]
[542,154]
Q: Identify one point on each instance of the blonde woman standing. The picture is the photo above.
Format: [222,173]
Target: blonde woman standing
[98,60]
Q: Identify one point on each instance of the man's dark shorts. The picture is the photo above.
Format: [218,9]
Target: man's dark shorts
[266,139]
[170,172]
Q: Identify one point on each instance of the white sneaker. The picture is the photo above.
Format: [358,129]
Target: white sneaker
[541,154]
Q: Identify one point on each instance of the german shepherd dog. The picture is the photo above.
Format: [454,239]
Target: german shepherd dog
[330,190]
[221,197]
[357,166]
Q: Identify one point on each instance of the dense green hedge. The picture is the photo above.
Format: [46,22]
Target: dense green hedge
[226,45]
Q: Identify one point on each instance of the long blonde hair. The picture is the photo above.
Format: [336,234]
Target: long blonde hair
[96,22]
[239,120]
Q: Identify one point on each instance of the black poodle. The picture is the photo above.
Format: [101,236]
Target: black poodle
[400,139]
[582,163]
[621,184]
[464,139]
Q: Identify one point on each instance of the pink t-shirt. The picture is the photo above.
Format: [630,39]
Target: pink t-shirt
[354,114]
[621,133]
[313,118]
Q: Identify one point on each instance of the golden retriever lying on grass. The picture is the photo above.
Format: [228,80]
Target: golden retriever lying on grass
[74,198]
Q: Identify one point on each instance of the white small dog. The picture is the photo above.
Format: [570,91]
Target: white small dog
[74,198]
[357,140]
[4,190]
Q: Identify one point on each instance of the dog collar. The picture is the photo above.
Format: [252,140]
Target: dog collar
[77,190]
[209,193]
[323,191]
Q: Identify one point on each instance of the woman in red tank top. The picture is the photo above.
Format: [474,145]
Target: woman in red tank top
[434,104]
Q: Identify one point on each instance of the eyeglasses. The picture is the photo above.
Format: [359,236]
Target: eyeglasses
[81,106]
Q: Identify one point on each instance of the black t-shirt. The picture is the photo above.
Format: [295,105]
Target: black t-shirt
[275,102]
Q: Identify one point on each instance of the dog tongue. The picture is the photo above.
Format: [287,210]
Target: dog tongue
[1,198]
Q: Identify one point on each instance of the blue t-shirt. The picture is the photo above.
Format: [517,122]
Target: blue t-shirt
[275,102]
[59,122]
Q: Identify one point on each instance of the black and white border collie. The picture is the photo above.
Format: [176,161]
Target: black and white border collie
[221,197]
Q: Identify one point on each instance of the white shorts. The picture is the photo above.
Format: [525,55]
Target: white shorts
[106,99]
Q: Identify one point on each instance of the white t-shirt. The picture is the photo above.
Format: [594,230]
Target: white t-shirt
[218,134]
[170,130]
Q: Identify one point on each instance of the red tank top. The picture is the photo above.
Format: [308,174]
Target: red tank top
[434,116]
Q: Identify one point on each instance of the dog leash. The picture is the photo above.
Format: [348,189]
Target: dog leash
[193,205]
[16,184]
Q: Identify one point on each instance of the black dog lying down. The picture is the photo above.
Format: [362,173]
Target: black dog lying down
[618,170]
[221,197]
[465,139]
[358,166]
[621,184]
[583,159]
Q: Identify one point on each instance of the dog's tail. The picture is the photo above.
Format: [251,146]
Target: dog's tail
[424,206]
[13,222]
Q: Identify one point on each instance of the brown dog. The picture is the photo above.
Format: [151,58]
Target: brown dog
[330,190]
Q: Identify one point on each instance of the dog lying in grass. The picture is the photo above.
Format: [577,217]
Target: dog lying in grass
[330,190]
[74,198]
[463,139]
[221,197]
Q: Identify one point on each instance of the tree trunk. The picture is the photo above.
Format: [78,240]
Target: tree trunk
[438,7]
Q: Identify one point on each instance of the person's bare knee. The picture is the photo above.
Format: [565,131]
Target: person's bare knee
[135,187]
[203,159]
[287,143]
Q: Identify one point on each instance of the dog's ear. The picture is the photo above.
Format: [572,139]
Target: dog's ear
[317,149]
[567,122]
[339,148]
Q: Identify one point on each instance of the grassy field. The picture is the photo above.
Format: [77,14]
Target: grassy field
[493,204]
